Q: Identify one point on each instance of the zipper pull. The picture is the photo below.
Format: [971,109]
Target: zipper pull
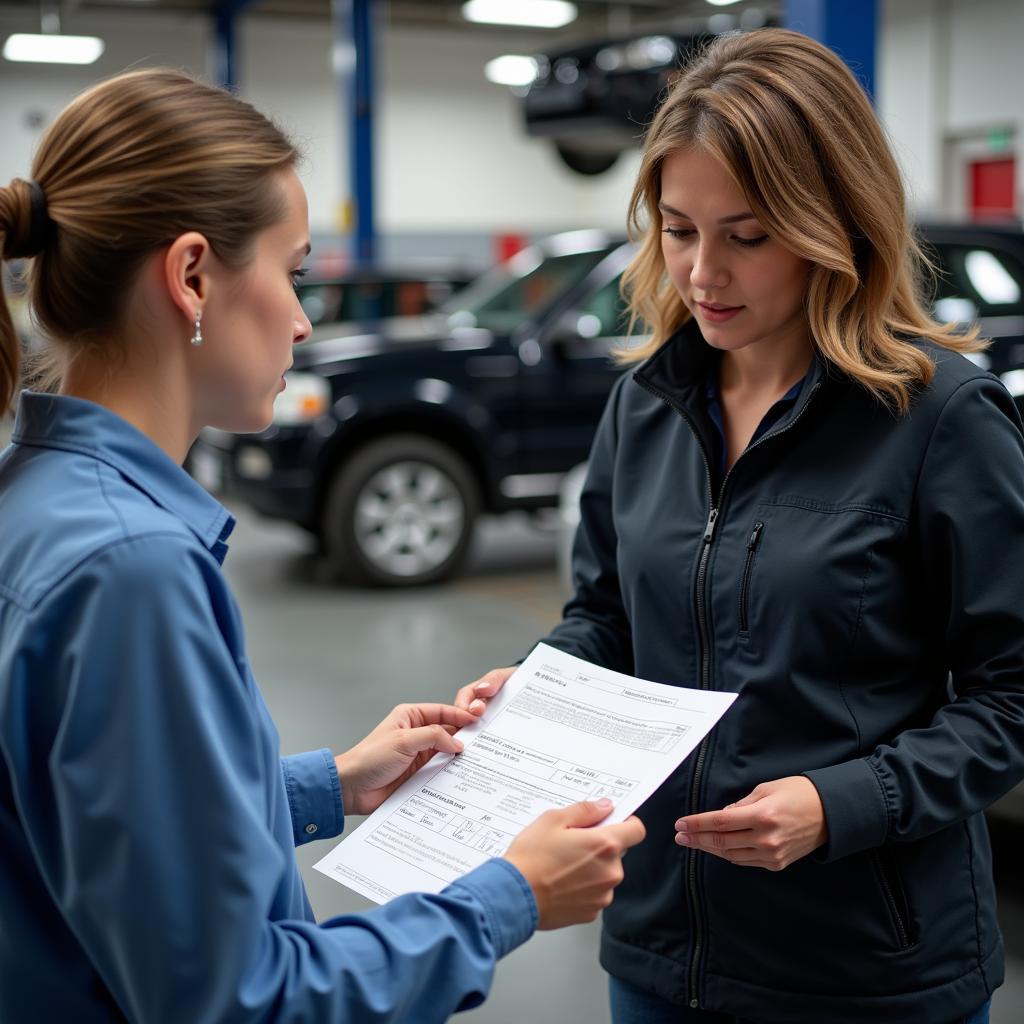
[709,530]
[755,537]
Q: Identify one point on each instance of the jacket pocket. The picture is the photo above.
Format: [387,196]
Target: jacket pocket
[895,896]
[748,568]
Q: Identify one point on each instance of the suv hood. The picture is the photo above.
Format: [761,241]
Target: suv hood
[335,343]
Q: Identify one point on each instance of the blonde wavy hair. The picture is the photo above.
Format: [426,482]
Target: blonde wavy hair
[790,123]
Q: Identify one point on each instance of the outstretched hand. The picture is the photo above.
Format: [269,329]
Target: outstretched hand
[778,823]
[405,741]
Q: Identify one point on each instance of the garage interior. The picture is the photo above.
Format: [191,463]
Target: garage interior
[427,163]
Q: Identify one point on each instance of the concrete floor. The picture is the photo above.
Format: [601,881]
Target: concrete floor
[332,661]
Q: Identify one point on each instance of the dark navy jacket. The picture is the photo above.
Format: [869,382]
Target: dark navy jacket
[856,578]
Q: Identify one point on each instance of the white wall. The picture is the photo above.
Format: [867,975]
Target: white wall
[451,153]
[34,93]
[950,74]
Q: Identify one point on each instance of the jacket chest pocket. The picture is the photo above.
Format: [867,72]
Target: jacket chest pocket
[809,570]
[748,569]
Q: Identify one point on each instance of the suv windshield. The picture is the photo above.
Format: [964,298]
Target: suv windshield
[519,290]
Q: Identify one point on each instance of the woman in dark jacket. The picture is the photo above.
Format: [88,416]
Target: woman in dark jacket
[805,495]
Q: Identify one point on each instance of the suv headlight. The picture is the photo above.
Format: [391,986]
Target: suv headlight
[305,397]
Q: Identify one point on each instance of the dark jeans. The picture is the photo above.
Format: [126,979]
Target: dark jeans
[631,1005]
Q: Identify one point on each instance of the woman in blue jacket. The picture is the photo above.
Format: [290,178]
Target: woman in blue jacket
[147,822]
[805,495]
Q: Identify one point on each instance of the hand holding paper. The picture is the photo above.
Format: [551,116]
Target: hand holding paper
[402,744]
[572,868]
[559,731]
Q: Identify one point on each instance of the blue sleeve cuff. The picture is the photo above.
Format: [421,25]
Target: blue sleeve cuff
[856,810]
[507,900]
[314,795]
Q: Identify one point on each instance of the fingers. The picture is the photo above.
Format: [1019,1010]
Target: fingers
[776,824]
[428,737]
[475,696]
[716,842]
[628,833]
[415,715]
[730,819]
[587,813]
[583,814]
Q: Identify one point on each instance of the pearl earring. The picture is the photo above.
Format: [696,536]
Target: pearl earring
[197,337]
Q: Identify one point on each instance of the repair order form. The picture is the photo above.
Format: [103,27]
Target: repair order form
[560,730]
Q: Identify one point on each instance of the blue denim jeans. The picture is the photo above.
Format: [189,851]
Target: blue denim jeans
[631,1005]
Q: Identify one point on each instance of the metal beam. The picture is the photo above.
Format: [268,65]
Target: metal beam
[225,48]
[353,25]
[851,29]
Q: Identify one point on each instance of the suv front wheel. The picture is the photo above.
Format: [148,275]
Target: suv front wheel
[400,512]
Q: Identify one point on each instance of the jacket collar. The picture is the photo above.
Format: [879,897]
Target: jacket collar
[77,425]
[679,371]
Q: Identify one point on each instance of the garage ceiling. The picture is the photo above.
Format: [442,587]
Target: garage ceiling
[596,17]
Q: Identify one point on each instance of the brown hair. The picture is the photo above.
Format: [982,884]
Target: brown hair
[790,123]
[128,166]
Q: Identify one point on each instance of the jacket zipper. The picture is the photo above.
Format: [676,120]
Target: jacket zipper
[697,949]
[902,931]
[696,914]
[748,565]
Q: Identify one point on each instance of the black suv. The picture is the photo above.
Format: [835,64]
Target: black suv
[392,437]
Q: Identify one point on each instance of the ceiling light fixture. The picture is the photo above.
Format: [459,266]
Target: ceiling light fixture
[722,3]
[50,45]
[51,48]
[512,69]
[526,13]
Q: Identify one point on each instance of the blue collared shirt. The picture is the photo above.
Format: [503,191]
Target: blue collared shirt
[147,821]
[713,396]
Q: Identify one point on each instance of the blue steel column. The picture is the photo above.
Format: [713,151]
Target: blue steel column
[226,41]
[354,36]
[850,27]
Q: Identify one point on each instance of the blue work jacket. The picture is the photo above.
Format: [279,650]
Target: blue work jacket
[147,820]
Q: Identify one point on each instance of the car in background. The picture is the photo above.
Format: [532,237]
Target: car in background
[594,101]
[389,440]
[367,294]
[981,281]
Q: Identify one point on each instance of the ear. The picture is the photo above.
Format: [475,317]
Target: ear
[186,268]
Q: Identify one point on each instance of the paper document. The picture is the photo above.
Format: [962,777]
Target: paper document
[561,730]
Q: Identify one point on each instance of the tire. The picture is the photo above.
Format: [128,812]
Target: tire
[400,512]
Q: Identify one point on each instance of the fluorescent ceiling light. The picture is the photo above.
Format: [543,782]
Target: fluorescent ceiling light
[529,13]
[50,48]
[722,3]
[512,69]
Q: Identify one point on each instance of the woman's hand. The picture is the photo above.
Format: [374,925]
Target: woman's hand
[475,696]
[778,823]
[405,741]
[571,867]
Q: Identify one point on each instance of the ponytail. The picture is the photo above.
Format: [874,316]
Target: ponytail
[25,228]
[125,168]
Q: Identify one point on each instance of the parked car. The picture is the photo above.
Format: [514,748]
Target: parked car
[981,281]
[364,294]
[388,443]
[593,101]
